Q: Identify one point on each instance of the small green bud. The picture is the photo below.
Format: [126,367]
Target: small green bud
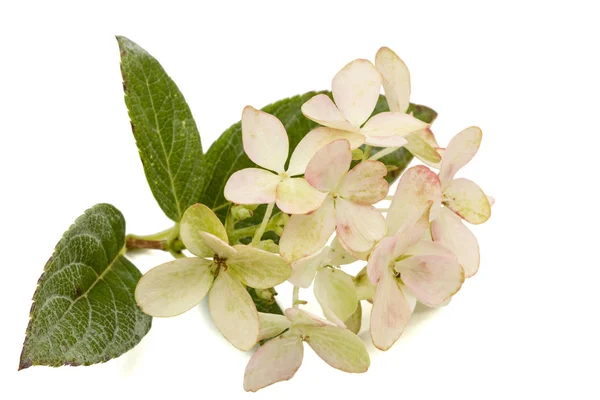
[268,245]
[266,294]
[357,154]
[277,223]
[241,212]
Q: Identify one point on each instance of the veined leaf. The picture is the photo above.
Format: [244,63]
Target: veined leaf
[84,310]
[164,129]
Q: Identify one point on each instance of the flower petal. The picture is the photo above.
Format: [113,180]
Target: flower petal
[219,247]
[449,230]
[386,141]
[356,90]
[433,279]
[304,235]
[199,218]
[275,361]
[423,150]
[233,312]
[265,139]
[336,294]
[322,110]
[174,287]
[338,347]
[359,227]
[418,189]
[329,165]
[315,140]
[296,196]
[338,255]
[353,324]
[365,183]
[252,186]
[304,318]
[390,314]
[459,152]
[381,259]
[272,325]
[467,200]
[396,79]
[257,268]
[392,124]
[304,270]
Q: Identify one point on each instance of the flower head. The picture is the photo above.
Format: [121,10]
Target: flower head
[266,144]
[279,358]
[219,270]
[347,207]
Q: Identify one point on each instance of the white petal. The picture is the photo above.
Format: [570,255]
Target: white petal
[356,90]
[392,124]
[423,150]
[296,196]
[390,314]
[329,165]
[418,189]
[265,139]
[218,247]
[233,312]
[381,259]
[175,287]
[386,141]
[359,227]
[336,293]
[459,152]
[304,270]
[321,109]
[426,247]
[315,140]
[449,230]
[467,200]
[272,325]
[199,218]
[396,79]
[258,268]
[433,279]
[252,186]
[365,183]
[275,361]
[338,347]
[304,235]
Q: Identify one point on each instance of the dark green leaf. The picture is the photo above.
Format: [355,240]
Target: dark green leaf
[84,311]
[164,130]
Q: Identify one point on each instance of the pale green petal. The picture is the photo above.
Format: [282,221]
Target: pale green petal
[304,270]
[216,245]
[258,268]
[336,293]
[353,323]
[423,150]
[304,318]
[338,347]
[272,325]
[199,218]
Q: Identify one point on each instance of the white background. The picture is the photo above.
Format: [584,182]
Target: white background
[527,73]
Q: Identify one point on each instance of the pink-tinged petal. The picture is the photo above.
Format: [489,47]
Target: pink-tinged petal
[381,259]
[252,186]
[218,246]
[272,325]
[390,314]
[338,347]
[329,165]
[304,270]
[428,136]
[433,279]
[359,227]
[392,124]
[418,189]
[175,287]
[302,318]
[336,293]
[459,152]
[322,110]
[426,247]
[356,90]
[258,268]
[265,139]
[396,79]
[423,150]
[365,183]
[296,196]
[491,200]
[408,235]
[315,140]
[304,235]
[467,200]
[275,361]
[233,312]
[386,141]
[450,231]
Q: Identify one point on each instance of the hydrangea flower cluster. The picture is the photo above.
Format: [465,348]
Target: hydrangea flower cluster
[420,250]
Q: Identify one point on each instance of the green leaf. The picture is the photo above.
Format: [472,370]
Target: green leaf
[84,311]
[164,129]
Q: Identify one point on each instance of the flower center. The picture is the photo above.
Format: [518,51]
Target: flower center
[221,262]
[283,175]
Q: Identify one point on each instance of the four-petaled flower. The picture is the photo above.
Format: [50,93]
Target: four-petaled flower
[347,209]
[462,198]
[279,358]
[220,270]
[266,144]
[404,266]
